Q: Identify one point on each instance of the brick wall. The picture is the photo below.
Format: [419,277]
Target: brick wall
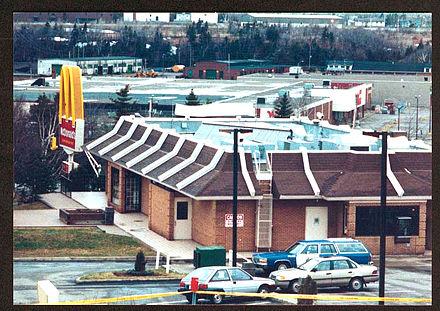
[145,196]
[162,212]
[203,222]
[289,216]
[416,244]
[245,235]
[429,225]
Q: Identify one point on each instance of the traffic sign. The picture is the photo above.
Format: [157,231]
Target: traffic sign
[229,218]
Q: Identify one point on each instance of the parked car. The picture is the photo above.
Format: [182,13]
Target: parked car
[327,272]
[302,250]
[225,279]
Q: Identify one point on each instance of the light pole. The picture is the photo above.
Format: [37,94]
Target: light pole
[417,115]
[383,204]
[235,190]
[300,63]
[310,53]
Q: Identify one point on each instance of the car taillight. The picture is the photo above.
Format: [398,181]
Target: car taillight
[203,286]
[375,272]
[182,284]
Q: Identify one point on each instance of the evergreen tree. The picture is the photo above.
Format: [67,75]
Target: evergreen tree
[283,106]
[192,99]
[123,101]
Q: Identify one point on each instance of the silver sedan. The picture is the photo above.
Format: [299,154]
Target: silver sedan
[225,279]
[327,272]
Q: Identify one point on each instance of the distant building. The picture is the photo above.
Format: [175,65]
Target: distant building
[230,70]
[147,17]
[91,65]
[67,17]
[335,66]
[367,22]
[183,17]
[211,18]
[294,20]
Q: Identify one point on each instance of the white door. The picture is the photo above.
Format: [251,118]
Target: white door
[182,220]
[316,222]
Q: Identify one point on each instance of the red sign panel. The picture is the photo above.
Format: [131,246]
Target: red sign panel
[67,134]
[229,218]
[343,85]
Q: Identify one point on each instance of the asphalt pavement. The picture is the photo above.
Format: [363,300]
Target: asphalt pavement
[405,277]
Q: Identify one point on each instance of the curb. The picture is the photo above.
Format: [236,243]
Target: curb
[148,259]
[124,281]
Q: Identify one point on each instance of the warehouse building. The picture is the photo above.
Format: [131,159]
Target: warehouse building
[293,20]
[230,70]
[184,185]
[338,66]
[91,65]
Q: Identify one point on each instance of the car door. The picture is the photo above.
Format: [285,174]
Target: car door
[342,272]
[322,273]
[310,251]
[242,282]
[221,281]
[327,249]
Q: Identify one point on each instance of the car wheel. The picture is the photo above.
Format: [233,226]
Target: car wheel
[281,266]
[264,289]
[294,286]
[356,284]
[216,299]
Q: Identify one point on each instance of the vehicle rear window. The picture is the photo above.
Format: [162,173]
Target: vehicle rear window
[351,248]
[202,274]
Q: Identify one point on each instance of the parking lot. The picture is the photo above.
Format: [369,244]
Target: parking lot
[406,276]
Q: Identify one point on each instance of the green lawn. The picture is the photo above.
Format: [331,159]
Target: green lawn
[66,242]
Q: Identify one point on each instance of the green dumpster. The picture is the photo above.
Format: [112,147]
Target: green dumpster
[205,256]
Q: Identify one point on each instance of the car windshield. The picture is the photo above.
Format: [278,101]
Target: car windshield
[309,264]
[293,249]
[202,274]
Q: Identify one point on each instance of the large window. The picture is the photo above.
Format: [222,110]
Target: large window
[132,192]
[400,221]
[115,193]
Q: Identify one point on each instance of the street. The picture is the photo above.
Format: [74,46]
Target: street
[405,277]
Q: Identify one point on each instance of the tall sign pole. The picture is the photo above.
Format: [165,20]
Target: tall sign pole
[234,200]
[383,204]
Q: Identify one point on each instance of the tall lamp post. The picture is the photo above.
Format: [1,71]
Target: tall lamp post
[383,204]
[235,190]
[417,114]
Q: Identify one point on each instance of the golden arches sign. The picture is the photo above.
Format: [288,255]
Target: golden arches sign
[71,105]
[71,109]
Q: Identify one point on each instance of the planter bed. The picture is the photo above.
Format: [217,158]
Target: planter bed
[82,216]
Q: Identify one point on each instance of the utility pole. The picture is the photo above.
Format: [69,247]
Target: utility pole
[234,198]
[310,52]
[229,65]
[383,204]
[417,115]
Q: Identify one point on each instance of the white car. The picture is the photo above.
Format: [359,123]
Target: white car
[225,279]
[335,271]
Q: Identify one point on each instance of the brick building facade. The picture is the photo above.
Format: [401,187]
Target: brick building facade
[185,187]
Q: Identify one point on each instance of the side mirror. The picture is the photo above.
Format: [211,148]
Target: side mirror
[313,270]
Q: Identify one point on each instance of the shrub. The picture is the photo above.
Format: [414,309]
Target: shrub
[307,287]
[139,265]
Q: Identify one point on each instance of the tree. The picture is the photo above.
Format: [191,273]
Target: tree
[123,101]
[192,99]
[283,106]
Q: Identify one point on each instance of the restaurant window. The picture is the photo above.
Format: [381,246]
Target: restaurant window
[115,193]
[400,221]
[132,192]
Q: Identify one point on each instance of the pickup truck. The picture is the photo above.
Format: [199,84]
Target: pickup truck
[302,250]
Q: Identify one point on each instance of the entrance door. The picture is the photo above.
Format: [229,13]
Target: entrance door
[316,222]
[182,220]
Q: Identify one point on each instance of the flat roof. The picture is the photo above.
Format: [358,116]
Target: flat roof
[93,58]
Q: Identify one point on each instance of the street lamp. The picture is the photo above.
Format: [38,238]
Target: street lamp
[383,204]
[235,190]
[400,106]
[299,63]
[417,114]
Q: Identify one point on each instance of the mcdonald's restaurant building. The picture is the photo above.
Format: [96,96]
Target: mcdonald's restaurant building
[184,186]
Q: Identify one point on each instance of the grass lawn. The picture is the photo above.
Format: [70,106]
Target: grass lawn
[118,275]
[32,206]
[68,242]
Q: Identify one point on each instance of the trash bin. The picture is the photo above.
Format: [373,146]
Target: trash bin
[205,256]
[109,216]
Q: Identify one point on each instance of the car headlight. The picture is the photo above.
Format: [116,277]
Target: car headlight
[262,260]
